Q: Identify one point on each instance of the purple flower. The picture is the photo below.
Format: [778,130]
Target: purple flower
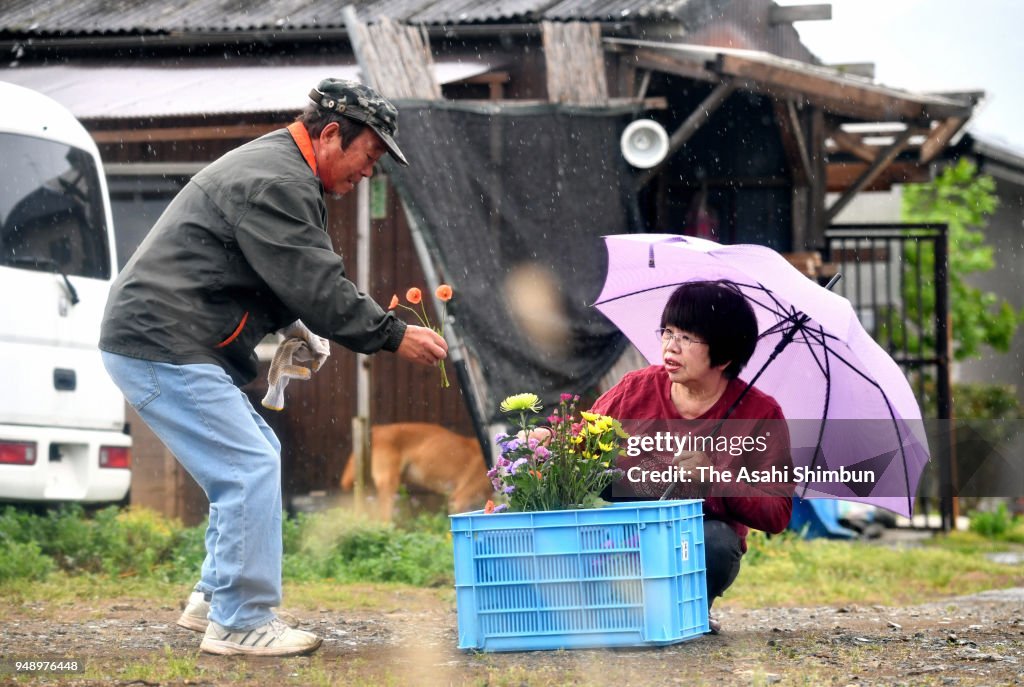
[509,489]
[516,465]
[500,508]
[492,473]
[503,462]
[542,453]
[511,446]
[532,444]
[500,437]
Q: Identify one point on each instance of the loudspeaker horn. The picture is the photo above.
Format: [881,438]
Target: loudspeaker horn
[644,143]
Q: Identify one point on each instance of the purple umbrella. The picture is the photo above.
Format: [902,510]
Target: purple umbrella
[847,404]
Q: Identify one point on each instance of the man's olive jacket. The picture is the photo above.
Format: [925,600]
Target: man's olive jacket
[240,252]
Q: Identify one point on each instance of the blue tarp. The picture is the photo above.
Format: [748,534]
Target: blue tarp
[818,518]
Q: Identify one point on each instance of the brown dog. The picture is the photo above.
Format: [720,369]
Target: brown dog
[428,456]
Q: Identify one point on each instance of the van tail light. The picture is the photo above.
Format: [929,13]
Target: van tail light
[17,452]
[115,457]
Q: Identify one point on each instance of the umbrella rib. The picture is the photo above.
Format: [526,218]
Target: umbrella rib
[826,370]
[810,348]
[791,319]
[895,424]
[756,286]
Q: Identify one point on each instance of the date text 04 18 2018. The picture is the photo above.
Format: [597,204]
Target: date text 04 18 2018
[9,664]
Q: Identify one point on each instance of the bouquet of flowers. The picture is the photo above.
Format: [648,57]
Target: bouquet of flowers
[415,296]
[565,465]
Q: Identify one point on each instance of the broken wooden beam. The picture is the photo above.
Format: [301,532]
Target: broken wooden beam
[884,158]
[690,126]
[787,14]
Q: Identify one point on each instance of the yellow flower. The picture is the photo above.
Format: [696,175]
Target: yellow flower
[605,447]
[589,417]
[521,402]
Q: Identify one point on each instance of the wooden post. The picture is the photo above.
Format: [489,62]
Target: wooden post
[574,60]
[361,421]
[817,181]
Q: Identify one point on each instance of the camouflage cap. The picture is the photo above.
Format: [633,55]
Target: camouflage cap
[361,103]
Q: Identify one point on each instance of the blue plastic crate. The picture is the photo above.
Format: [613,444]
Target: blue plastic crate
[629,574]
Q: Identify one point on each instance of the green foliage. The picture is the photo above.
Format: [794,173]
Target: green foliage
[22,560]
[338,545]
[986,401]
[962,199]
[140,543]
[998,525]
[112,541]
[787,570]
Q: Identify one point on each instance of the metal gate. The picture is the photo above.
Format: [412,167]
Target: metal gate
[896,277]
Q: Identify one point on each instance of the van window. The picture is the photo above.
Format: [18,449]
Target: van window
[51,208]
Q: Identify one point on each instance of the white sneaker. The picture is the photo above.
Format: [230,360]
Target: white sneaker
[198,607]
[272,639]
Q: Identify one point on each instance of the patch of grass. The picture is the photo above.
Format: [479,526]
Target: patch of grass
[998,525]
[23,561]
[789,571]
[370,596]
[321,672]
[342,546]
[130,543]
[122,542]
[167,666]
[972,543]
[63,588]
[336,559]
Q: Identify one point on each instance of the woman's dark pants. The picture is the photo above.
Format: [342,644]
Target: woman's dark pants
[722,554]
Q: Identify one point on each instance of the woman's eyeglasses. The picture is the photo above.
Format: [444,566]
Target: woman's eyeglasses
[668,337]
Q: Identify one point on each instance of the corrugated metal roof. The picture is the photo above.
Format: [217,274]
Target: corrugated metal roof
[178,88]
[613,10]
[473,11]
[52,17]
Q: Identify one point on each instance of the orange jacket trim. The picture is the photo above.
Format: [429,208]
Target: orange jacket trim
[305,144]
[234,334]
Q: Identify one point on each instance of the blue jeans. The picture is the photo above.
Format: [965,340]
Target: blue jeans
[218,437]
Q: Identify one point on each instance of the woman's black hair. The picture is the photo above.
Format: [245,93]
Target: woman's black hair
[719,314]
[316,120]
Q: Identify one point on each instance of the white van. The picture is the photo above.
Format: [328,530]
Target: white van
[62,425]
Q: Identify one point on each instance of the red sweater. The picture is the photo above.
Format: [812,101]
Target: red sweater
[646,395]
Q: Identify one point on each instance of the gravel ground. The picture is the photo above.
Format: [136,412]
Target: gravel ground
[411,640]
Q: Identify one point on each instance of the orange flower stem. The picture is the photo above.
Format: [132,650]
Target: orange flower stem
[413,311]
[425,319]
